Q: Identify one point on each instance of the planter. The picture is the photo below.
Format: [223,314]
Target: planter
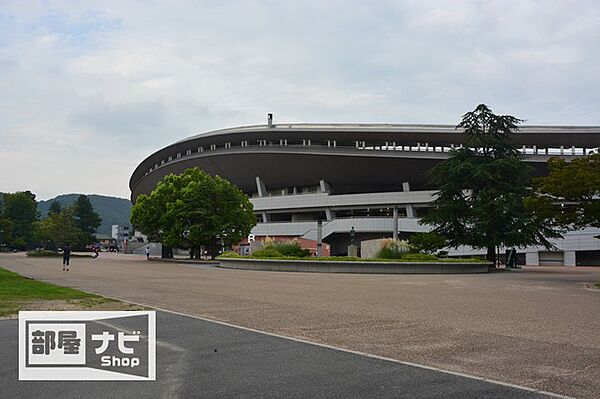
[363,267]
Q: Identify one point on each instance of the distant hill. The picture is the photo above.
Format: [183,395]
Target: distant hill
[112,210]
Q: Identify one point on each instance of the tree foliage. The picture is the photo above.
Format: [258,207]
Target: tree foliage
[60,229]
[194,209]
[428,243]
[54,208]
[483,187]
[19,210]
[570,193]
[86,219]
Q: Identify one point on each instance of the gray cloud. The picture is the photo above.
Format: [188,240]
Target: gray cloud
[76,75]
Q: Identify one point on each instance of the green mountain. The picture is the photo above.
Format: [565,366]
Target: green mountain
[112,210]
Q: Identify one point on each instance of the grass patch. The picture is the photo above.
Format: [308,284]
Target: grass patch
[22,293]
[598,285]
[13,286]
[406,258]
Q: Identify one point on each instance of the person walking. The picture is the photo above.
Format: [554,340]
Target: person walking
[66,257]
[147,253]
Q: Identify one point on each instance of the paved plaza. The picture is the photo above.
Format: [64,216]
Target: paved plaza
[539,327]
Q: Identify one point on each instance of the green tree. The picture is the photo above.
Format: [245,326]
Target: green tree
[54,208]
[86,219]
[20,209]
[194,209]
[570,192]
[6,228]
[483,187]
[59,229]
[428,243]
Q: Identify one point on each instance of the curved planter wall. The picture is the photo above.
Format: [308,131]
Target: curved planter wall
[354,267]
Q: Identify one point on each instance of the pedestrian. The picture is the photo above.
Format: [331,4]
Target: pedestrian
[96,252]
[147,253]
[66,257]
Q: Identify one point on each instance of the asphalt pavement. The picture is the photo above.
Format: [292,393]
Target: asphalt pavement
[199,358]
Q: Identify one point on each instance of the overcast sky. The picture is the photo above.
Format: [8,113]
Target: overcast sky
[87,90]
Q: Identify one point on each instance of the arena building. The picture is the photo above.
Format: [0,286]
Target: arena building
[370,178]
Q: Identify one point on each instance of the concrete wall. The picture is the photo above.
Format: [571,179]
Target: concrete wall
[325,200]
[369,248]
[354,267]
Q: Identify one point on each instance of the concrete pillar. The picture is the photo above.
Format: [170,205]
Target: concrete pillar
[260,187]
[265,217]
[395,224]
[319,238]
[325,187]
[569,258]
[410,210]
[532,258]
[329,214]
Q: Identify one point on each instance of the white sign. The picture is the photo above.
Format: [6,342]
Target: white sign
[87,345]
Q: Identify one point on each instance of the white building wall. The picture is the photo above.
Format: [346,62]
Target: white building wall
[582,240]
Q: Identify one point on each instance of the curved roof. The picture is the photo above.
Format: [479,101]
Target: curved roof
[298,164]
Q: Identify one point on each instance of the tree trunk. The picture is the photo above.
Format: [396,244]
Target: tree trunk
[167,252]
[213,247]
[491,254]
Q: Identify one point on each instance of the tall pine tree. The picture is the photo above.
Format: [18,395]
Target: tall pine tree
[85,218]
[483,189]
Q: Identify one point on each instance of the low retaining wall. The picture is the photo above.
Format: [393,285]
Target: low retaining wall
[354,267]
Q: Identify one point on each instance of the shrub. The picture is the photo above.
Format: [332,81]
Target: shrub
[287,248]
[43,252]
[48,253]
[393,249]
[419,257]
[428,243]
[267,253]
[229,254]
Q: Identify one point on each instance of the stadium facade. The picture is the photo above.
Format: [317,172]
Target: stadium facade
[368,177]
